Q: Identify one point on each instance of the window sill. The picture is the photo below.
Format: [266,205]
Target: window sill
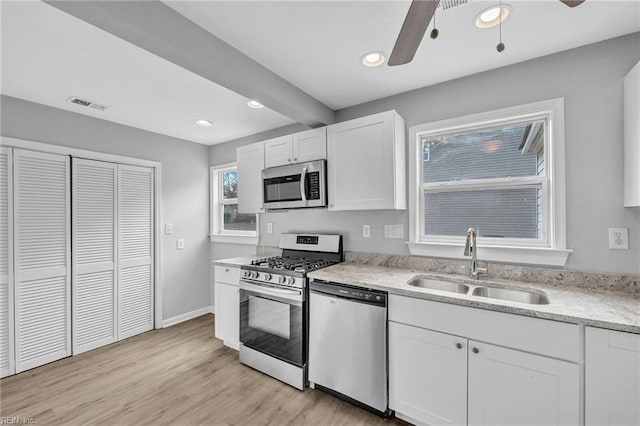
[522,255]
[234,239]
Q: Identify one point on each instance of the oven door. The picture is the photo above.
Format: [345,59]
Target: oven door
[272,321]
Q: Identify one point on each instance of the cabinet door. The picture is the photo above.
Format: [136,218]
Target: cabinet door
[310,145]
[612,378]
[361,164]
[7,359]
[135,250]
[510,387]
[250,159]
[227,318]
[42,258]
[278,151]
[427,375]
[94,254]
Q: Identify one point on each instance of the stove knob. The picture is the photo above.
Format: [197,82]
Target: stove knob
[291,280]
[281,279]
[267,277]
[254,275]
[246,274]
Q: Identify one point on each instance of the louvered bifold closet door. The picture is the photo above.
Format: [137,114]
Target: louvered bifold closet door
[135,254]
[42,258]
[7,365]
[93,254]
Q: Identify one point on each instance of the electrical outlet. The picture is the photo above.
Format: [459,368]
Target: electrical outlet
[366,231]
[180,244]
[168,228]
[619,238]
[270,228]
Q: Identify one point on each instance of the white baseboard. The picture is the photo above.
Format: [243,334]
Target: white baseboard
[186,317]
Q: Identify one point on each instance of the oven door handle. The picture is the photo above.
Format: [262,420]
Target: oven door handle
[303,189]
[294,295]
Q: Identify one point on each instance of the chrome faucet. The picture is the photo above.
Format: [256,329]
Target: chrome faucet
[471,249]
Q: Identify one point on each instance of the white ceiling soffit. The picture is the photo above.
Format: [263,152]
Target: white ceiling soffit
[317,45]
[48,56]
[162,31]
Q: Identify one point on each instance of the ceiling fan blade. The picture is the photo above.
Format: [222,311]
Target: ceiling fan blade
[413,29]
[572,3]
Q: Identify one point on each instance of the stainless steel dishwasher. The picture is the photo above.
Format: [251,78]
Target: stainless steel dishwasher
[348,344]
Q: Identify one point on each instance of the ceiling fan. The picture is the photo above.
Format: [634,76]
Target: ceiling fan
[415,24]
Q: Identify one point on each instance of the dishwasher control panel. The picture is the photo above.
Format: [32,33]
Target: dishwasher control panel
[374,297]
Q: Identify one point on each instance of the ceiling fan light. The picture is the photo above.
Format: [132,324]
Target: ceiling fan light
[492,16]
[372,59]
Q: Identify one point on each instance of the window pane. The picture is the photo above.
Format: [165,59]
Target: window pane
[499,213]
[229,184]
[514,150]
[234,221]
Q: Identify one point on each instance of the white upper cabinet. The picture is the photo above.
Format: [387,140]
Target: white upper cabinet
[297,148]
[632,137]
[250,159]
[366,163]
[612,377]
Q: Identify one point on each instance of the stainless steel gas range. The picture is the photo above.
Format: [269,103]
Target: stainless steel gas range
[273,305]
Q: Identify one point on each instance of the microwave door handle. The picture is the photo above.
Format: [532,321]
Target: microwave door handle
[303,190]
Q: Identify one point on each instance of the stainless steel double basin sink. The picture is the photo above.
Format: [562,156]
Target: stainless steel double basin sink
[498,293]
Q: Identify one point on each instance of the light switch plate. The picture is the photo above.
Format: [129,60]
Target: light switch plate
[270,228]
[366,231]
[619,238]
[168,228]
[180,244]
[394,231]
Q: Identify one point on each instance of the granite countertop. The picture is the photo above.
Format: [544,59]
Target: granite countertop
[235,261]
[600,308]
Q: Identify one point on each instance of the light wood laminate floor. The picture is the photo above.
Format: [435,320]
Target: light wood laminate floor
[180,375]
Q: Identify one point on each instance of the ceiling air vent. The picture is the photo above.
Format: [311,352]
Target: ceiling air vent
[79,101]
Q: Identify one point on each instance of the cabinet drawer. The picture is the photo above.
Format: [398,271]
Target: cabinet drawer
[227,274]
[541,336]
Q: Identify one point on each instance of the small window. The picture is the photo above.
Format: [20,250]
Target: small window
[226,223]
[491,178]
[500,172]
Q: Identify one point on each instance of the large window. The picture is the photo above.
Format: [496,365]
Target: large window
[499,172]
[226,223]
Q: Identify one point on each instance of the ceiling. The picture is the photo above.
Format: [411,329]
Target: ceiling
[314,46]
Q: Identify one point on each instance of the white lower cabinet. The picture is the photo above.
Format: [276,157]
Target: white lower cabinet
[446,377]
[427,375]
[509,387]
[227,305]
[612,378]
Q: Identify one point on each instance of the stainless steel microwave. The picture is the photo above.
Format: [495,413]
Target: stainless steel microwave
[295,185]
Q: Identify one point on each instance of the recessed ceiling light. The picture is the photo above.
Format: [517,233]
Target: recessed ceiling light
[255,104]
[372,59]
[203,123]
[492,16]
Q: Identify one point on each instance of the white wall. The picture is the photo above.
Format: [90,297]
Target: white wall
[590,80]
[185,186]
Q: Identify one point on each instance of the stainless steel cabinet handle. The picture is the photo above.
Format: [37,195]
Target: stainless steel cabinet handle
[458,345]
[289,159]
[475,350]
[295,159]
[226,270]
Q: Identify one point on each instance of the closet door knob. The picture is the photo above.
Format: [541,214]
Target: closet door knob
[475,350]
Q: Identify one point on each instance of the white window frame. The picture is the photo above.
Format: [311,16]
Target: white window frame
[217,233]
[551,249]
